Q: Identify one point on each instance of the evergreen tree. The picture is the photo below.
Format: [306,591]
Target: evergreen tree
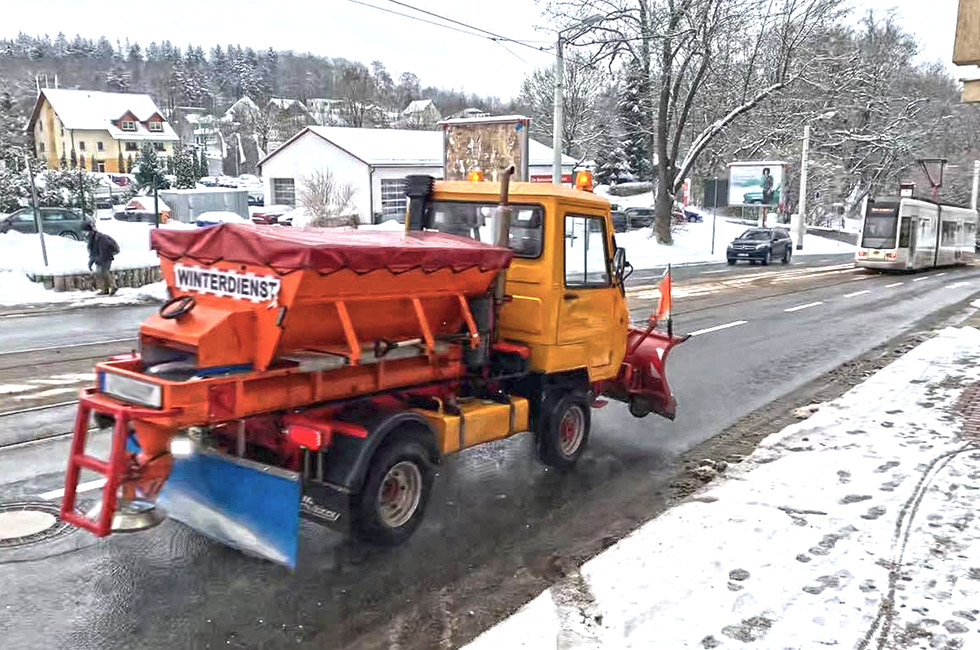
[121,164]
[64,161]
[636,122]
[117,79]
[129,163]
[185,168]
[81,161]
[148,168]
[74,159]
[202,164]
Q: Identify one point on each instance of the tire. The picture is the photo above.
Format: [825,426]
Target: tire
[788,255]
[767,258]
[392,502]
[69,235]
[564,431]
[731,262]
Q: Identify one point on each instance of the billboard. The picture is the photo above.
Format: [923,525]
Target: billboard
[755,183]
[488,144]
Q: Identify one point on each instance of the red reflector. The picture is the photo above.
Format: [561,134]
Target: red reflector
[305,436]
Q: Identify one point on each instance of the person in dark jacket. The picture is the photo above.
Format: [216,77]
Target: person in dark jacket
[101,250]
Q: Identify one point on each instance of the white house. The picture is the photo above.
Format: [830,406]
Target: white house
[374,161]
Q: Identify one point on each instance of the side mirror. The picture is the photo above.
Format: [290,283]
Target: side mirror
[621,267]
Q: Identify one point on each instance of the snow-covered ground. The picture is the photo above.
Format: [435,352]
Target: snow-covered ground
[692,241]
[692,244]
[856,528]
[16,289]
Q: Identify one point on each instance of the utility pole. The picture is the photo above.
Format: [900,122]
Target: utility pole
[156,201]
[556,138]
[37,212]
[976,183]
[801,223]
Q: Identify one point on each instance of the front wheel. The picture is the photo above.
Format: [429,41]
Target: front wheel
[564,431]
[731,262]
[69,235]
[767,258]
[392,502]
[788,255]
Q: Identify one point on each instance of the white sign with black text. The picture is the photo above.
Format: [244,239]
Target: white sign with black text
[244,286]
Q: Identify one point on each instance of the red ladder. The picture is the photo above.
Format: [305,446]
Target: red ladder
[114,469]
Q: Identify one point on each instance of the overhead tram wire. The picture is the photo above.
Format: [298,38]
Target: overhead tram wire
[489,34]
[469,31]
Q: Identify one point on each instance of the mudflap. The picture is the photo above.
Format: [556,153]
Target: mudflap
[642,380]
[242,503]
[327,505]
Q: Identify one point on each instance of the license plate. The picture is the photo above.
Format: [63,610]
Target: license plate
[743,254]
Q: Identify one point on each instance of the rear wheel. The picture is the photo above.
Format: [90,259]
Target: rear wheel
[68,235]
[564,431]
[788,255]
[392,502]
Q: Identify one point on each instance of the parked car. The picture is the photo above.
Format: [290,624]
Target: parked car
[62,222]
[215,217]
[640,217]
[256,199]
[620,221]
[137,216]
[693,215]
[272,215]
[761,245]
[755,197]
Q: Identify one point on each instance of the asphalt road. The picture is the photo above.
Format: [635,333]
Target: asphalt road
[497,518]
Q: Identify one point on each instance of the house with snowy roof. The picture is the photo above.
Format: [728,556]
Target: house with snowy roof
[374,162]
[420,114]
[102,128]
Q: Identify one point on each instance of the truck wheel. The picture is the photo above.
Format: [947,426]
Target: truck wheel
[564,432]
[392,502]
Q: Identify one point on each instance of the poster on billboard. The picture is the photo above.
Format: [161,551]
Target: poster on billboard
[486,144]
[755,183]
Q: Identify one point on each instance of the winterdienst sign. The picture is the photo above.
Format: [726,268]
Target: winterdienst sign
[244,286]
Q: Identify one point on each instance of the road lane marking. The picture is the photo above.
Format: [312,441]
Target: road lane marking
[857,293]
[939,275]
[919,279]
[894,284]
[957,285]
[800,307]
[711,272]
[717,328]
[88,486]
[70,346]
[51,392]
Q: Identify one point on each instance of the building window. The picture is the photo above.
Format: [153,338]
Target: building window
[100,145]
[40,127]
[40,147]
[158,146]
[81,145]
[128,125]
[131,146]
[284,191]
[62,131]
[393,200]
[100,167]
[156,126]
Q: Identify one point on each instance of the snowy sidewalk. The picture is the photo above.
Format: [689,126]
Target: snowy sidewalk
[857,528]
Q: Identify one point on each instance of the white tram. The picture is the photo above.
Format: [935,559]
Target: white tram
[910,234]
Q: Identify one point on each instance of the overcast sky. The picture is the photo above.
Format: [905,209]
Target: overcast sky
[341,28]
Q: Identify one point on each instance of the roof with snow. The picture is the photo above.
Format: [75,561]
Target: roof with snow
[285,103]
[96,110]
[417,106]
[401,147]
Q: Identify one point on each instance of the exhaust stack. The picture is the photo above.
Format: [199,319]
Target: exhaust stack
[503,231]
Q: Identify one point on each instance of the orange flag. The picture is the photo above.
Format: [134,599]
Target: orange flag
[663,308]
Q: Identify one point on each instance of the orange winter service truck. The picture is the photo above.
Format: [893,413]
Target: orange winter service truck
[324,373]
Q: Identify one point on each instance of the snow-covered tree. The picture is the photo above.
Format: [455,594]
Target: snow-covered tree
[148,168]
[185,168]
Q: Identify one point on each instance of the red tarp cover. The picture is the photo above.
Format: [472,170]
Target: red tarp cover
[329,249]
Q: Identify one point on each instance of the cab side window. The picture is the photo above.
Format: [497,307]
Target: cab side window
[586,262]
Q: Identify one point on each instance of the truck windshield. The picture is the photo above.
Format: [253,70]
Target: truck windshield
[880,225]
[478,221]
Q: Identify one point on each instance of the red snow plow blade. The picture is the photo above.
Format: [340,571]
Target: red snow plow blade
[642,379]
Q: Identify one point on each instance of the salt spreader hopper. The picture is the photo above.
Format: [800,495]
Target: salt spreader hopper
[324,373]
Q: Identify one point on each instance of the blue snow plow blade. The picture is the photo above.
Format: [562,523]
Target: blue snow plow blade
[241,503]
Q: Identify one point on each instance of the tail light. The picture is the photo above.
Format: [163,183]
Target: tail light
[862,253]
[891,256]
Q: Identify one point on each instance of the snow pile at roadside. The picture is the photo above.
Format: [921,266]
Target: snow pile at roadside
[855,528]
[16,289]
[692,244]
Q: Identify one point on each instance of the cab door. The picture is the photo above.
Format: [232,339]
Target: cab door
[592,317]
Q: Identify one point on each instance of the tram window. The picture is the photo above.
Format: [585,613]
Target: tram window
[969,234]
[948,234]
[903,235]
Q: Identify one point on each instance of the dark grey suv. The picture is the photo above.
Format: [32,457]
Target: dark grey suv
[761,245]
[62,222]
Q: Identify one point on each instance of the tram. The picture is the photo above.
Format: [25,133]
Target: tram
[906,234]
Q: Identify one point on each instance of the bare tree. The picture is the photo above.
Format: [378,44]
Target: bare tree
[357,90]
[584,85]
[709,62]
[329,202]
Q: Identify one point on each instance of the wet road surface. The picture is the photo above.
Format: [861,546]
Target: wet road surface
[499,524]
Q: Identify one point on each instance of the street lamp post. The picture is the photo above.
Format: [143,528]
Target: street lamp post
[559,118]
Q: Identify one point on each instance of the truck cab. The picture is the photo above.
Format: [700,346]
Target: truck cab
[565,297]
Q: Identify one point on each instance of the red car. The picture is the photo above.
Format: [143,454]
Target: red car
[272,215]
